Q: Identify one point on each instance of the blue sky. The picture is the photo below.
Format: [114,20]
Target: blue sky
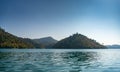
[97,19]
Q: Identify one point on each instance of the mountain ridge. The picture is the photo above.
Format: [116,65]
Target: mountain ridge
[78,41]
[8,40]
[46,41]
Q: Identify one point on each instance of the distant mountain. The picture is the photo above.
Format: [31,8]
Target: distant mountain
[78,41]
[113,46]
[8,40]
[46,41]
[30,41]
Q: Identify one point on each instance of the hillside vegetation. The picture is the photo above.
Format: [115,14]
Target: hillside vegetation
[78,41]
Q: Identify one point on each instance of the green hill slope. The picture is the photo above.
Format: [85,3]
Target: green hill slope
[8,40]
[78,41]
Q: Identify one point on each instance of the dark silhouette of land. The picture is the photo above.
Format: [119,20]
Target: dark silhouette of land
[78,41]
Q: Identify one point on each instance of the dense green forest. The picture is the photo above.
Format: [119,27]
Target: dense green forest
[8,40]
[78,41]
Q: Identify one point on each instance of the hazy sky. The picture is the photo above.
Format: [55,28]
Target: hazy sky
[97,19]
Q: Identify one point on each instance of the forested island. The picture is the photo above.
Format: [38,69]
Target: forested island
[76,41]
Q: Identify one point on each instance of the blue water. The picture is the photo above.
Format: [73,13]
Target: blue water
[59,60]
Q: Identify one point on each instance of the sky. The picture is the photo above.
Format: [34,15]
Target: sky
[96,19]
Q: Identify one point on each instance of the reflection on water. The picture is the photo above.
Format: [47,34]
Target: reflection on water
[60,61]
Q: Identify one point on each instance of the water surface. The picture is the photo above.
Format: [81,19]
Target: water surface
[59,60]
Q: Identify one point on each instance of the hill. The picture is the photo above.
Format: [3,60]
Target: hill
[8,40]
[115,46]
[46,41]
[78,41]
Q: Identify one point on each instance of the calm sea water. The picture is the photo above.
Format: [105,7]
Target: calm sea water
[59,60]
